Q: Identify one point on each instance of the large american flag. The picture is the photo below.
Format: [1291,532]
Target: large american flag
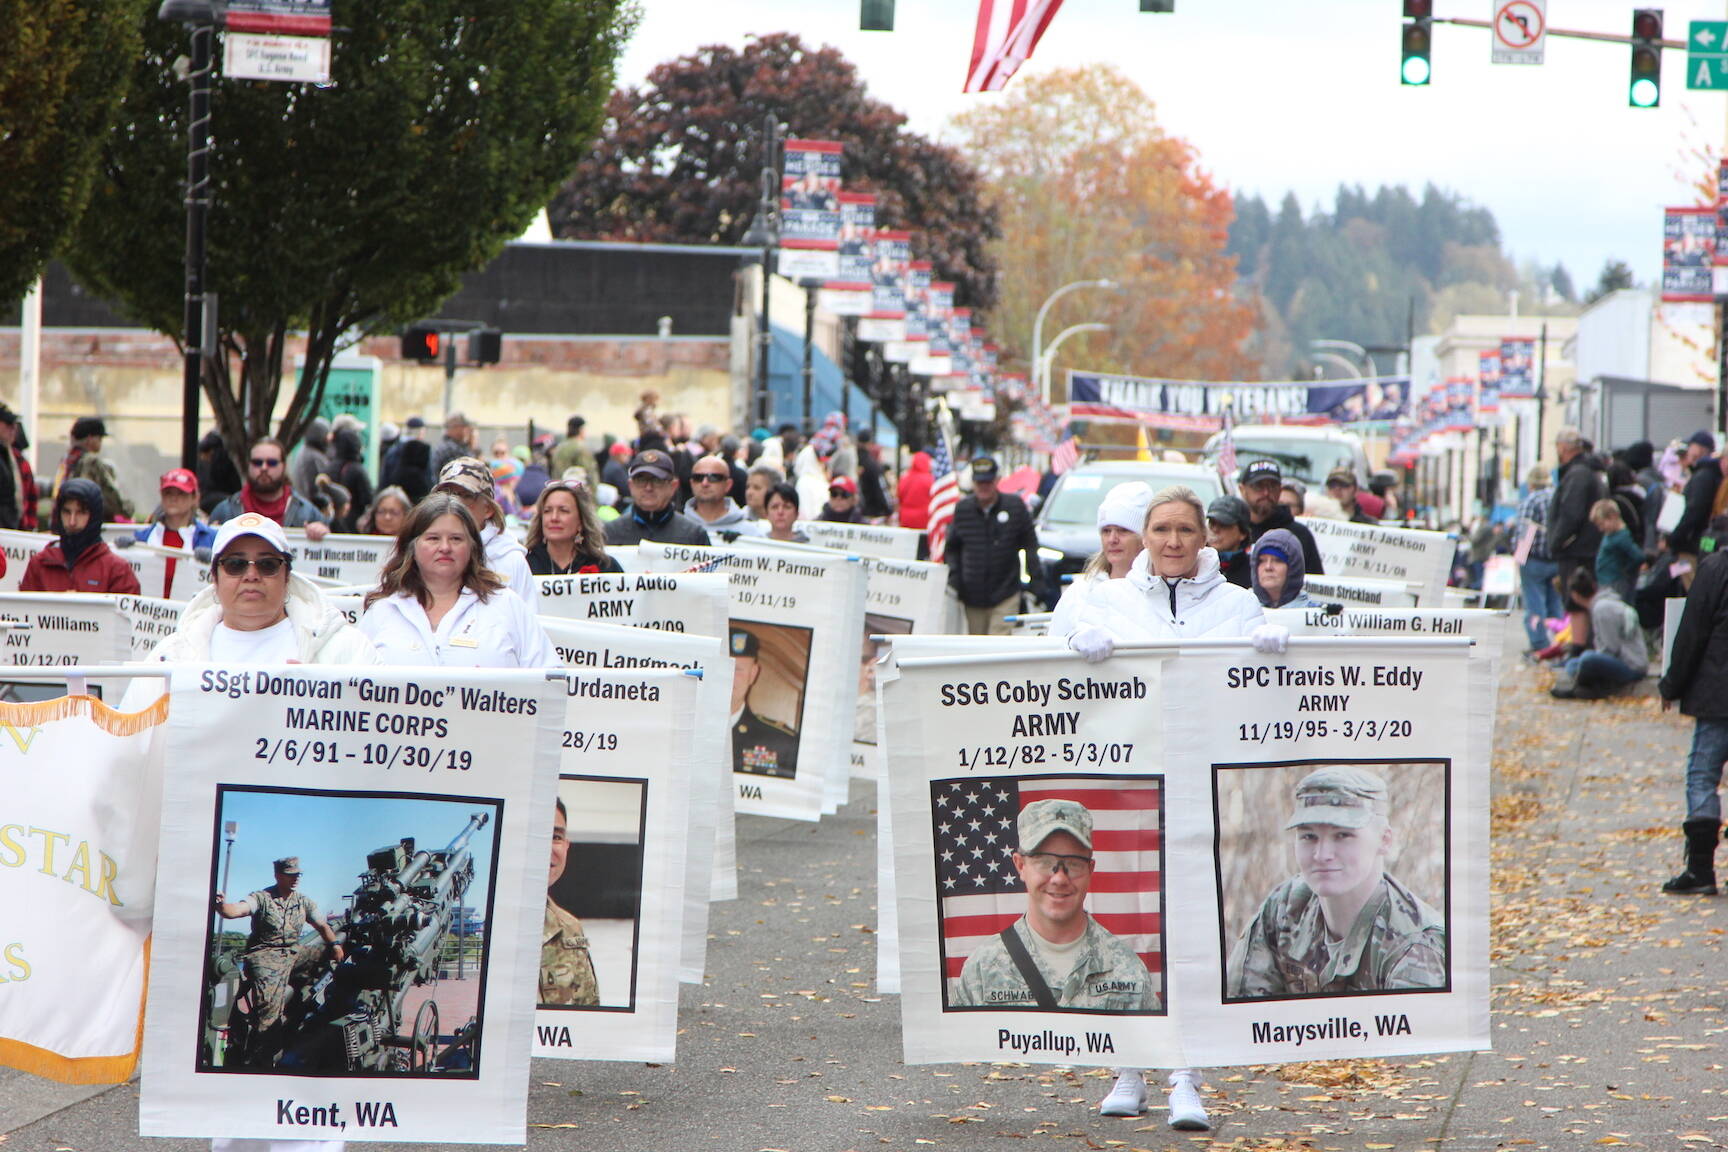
[976,825]
[944,495]
[1006,33]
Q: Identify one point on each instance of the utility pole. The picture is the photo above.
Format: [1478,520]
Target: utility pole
[809,359]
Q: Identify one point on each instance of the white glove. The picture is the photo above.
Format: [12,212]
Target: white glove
[1270,639]
[1093,643]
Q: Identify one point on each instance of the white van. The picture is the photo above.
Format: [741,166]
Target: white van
[1304,452]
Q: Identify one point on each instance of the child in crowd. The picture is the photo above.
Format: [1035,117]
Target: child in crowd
[1618,557]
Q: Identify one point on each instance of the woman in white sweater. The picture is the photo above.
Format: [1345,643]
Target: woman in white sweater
[438,602]
[1173,591]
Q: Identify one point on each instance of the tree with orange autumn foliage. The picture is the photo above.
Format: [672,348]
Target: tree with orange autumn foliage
[1088,186]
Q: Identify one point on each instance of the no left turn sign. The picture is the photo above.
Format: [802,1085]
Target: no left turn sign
[1520,28]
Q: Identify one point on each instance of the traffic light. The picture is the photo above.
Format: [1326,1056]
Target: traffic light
[1418,40]
[485,346]
[1157,5]
[876,16]
[1644,88]
[421,342]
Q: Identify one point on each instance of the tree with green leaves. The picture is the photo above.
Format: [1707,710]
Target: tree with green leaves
[681,156]
[63,70]
[348,209]
[1615,275]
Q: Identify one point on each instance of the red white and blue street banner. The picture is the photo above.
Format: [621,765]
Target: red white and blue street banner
[810,217]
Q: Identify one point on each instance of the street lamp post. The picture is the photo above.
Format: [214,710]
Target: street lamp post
[1050,353]
[1038,324]
[764,233]
[200,17]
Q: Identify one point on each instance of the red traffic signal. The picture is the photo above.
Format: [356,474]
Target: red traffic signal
[421,342]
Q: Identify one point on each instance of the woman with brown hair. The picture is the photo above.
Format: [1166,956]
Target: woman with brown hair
[565,535]
[438,603]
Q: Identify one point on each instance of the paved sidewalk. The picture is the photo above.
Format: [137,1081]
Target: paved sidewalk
[1609,1017]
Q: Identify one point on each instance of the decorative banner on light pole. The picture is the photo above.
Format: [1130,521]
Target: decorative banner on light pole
[1488,382]
[82,787]
[886,320]
[1264,804]
[1688,251]
[794,639]
[611,938]
[810,210]
[407,1013]
[1517,368]
[712,859]
[849,293]
[1412,555]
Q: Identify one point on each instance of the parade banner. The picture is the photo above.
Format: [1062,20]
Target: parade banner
[863,539]
[1413,555]
[1488,382]
[886,320]
[610,944]
[1251,800]
[77,880]
[810,210]
[905,596]
[55,629]
[1198,406]
[350,560]
[794,638]
[695,603]
[152,621]
[406,815]
[1481,625]
[712,856]
[1359,592]
[1517,368]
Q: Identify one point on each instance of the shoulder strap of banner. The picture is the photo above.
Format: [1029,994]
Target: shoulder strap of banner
[1023,961]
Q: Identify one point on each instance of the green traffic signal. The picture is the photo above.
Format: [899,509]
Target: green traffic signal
[1418,40]
[1644,86]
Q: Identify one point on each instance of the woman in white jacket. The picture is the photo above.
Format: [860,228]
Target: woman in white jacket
[470,481]
[438,602]
[1173,591]
[1121,516]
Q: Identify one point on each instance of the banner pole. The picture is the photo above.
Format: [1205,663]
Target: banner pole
[1150,647]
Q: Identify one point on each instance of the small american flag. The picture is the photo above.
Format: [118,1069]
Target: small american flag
[976,825]
[1006,33]
[1227,449]
[944,495]
[1067,455]
[710,565]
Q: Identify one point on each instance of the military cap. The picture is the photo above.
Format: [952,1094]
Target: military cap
[1042,819]
[466,476]
[744,643]
[1340,795]
[288,865]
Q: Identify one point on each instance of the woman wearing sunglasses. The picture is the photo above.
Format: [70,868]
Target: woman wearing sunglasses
[258,611]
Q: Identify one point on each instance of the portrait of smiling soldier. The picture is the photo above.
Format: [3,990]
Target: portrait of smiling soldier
[1056,956]
[1343,923]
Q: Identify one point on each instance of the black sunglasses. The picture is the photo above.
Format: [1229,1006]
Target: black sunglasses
[706,477]
[257,463]
[266,565]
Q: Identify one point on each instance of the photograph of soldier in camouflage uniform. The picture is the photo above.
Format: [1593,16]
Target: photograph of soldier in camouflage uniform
[593,895]
[770,663]
[864,719]
[367,954]
[1364,911]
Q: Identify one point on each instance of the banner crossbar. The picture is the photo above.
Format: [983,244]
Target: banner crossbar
[1156,646]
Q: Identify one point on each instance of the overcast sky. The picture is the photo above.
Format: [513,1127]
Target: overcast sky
[1280,96]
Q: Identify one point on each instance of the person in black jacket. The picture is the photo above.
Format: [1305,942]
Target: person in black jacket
[1260,484]
[1572,539]
[990,529]
[1697,679]
[1700,494]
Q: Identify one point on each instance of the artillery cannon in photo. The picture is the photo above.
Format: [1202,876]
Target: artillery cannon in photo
[353,1017]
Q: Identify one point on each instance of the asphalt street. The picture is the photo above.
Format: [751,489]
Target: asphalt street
[1608,1016]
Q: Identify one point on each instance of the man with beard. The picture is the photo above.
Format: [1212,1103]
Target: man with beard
[1259,486]
[268,493]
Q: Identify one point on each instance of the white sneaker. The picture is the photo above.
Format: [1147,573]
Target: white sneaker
[1127,1097]
[1187,1113]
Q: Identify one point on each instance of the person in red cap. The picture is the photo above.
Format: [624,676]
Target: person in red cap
[842,505]
[176,523]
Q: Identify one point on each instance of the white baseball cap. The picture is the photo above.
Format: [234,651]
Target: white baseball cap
[250,524]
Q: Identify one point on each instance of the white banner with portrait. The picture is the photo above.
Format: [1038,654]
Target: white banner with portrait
[77,881]
[1356,591]
[695,603]
[1107,863]
[904,597]
[615,898]
[1484,626]
[1413,555]
[864,539]
[711,860]
[794,638]
[353,866]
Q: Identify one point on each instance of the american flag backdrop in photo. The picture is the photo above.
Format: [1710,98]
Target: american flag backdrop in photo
[975,822]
